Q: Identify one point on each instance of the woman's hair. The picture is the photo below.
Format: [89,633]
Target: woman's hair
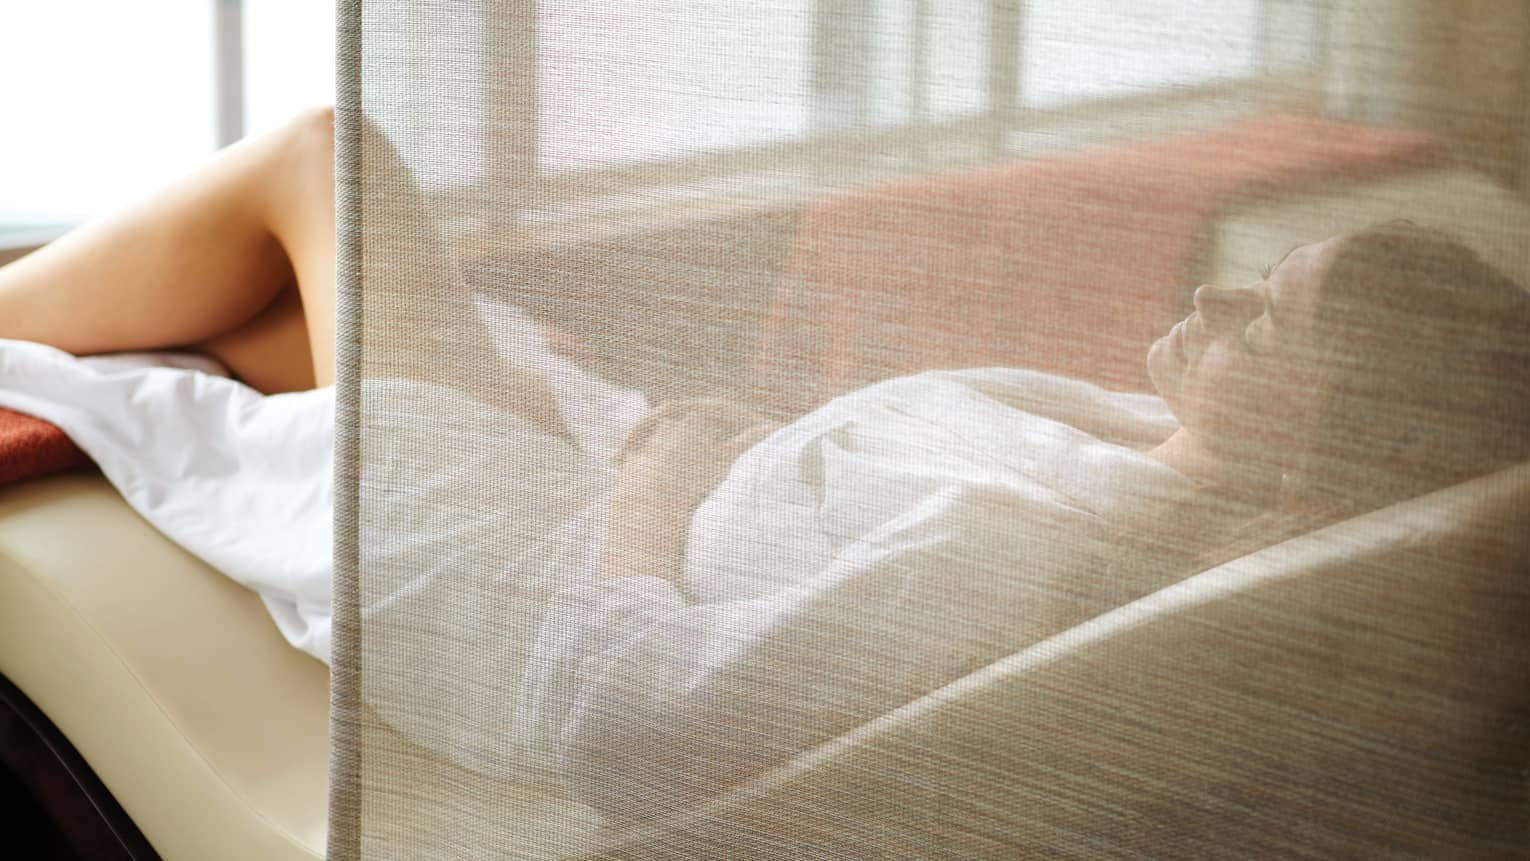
[1425,350]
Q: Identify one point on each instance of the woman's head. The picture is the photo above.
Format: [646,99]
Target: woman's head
[1359,371]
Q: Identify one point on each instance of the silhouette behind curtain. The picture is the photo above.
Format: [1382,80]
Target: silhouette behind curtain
[769,430]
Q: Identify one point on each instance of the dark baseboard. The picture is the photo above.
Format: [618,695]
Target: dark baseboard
[53,803]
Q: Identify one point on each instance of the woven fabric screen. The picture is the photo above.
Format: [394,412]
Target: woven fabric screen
[914,429]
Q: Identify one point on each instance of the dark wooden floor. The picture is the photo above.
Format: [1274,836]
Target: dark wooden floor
[28,830]
[52,806]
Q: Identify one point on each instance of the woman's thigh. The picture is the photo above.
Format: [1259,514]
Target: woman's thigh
[290,344]
[271,352]
[302,219]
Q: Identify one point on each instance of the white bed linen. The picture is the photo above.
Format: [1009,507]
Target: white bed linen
[936,521]
[245,481]
[241,480]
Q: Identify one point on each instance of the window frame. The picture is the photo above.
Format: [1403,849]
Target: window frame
[720,183]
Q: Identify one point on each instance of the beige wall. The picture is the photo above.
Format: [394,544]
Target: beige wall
[1486,110]
[1458,67]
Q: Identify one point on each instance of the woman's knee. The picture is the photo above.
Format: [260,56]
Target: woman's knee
[316,125]
[311,142]
[302,182]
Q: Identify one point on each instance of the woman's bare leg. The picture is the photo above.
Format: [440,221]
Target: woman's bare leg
[236,259]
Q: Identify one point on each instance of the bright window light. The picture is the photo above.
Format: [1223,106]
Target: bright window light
[106,101]
[1076,50]
[103,101]
[289,54]
[638,80]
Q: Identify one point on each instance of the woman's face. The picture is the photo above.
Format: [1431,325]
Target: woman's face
[1242,373]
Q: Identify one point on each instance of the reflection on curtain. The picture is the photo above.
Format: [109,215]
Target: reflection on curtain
[889,428]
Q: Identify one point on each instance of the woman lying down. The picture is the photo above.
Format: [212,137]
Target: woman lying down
[650,604]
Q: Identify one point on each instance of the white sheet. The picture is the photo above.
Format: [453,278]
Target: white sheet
[972,509]
[245,481]
[241,480]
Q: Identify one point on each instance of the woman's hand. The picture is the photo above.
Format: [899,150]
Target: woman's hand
[669,464]
[683,449]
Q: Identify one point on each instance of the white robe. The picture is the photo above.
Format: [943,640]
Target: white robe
[871,551]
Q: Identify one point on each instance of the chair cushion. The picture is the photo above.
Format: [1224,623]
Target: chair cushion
[1357,692]
[170,679]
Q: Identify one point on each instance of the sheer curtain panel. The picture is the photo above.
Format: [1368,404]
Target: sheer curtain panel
[914,429]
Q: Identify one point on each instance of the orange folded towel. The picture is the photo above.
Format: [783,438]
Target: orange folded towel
[31,447]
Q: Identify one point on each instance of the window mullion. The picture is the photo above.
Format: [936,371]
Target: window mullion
[228,70]
[919,84]
[1006,17]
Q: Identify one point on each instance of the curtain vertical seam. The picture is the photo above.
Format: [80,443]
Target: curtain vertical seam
[345,670]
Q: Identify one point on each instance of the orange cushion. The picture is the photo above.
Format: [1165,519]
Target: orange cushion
[30,447]
[1073,265]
